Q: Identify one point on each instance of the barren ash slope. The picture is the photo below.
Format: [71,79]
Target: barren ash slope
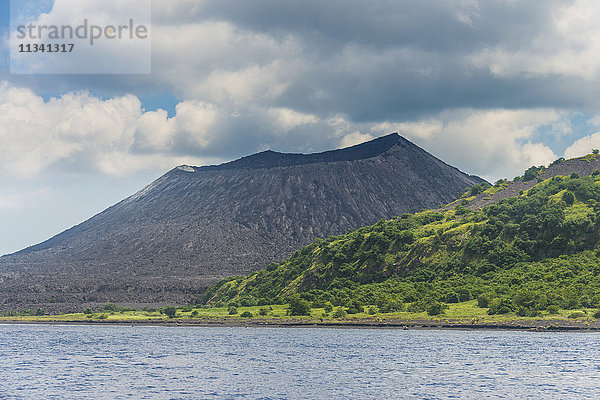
[195,225]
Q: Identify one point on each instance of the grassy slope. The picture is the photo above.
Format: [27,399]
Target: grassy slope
[525,253]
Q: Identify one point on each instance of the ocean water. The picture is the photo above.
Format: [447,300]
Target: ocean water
[141,362]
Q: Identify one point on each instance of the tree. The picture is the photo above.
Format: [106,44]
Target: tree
[595,151]
[111,307]
[436,308]
[170,311]
[568,198]
[340,312]
[297,306]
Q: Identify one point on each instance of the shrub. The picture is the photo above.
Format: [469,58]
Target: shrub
[232,310]
[532,172]
[389,305]
[568,198]
[596,172]
[262,302]
[170,311]
[88,311]
[328,307]
[340,312]
[102,316]
[263,311]
[552,309]
[415,307]
[461,210]
[246,314]
[596,314]
[111,307]
[318,304]
[297,306]
[452,297]
[484,299]
[500,306]
[527,312]
[436,308]
[576,314]
[373,310]
[356,307]
[39,312]
[194,314]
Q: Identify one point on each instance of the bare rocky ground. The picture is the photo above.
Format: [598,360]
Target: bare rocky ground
[196,225]
[583,166]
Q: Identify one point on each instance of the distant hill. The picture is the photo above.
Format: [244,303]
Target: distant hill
[528,246]
[196,225]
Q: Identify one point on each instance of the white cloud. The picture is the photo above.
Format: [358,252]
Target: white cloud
[421,129]
[80,132]
[86,133]
[355,138]
[490,143]
[193,121]
[219,62]
[583,146]
[286,119]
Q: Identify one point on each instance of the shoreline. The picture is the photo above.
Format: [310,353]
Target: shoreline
[539,325]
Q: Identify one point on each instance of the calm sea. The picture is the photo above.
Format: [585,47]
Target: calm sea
[124,362]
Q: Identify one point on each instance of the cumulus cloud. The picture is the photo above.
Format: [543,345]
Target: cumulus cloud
[583,146]
[286,119]
[491,143]
[116,136]
[81,132]
[355,138]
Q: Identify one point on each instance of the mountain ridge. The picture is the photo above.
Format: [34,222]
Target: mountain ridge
[272,159]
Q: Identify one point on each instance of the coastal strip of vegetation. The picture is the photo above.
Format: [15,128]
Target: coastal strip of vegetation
[299,312]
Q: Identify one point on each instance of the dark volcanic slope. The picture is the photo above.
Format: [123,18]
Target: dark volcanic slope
[193,225]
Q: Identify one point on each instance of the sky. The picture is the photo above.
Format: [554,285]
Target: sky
[491,87]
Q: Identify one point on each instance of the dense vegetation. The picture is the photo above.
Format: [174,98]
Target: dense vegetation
[537,251]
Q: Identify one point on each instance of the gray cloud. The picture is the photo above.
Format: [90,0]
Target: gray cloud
[363,63]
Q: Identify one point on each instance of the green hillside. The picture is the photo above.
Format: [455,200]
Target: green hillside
[538,250]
